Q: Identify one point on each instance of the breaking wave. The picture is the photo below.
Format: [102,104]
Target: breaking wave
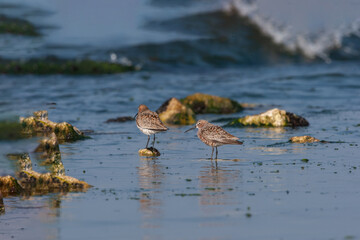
[236,34]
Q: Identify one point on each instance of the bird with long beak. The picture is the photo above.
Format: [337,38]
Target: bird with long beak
[214,136]
[149,122]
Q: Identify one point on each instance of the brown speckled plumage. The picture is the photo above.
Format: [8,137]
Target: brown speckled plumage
[214,136]
[149,122]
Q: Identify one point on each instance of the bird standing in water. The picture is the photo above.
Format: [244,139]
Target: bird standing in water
[214,136]
[149,122]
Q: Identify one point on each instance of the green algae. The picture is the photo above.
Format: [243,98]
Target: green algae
[59,66]
[17,26]
[10,130]
[188,194]
[204,103]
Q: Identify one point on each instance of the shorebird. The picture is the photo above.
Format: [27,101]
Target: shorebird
[214,136]
[149,122]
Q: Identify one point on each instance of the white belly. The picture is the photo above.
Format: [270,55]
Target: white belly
[147,131]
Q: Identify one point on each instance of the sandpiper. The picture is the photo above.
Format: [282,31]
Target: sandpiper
[214,136]
[149,122]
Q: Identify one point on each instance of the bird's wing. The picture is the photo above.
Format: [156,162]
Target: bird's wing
[151,120]
[220,135]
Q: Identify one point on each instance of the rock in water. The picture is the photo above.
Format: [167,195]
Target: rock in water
[272,118]
[40,124]
[34,183]
[37,183]
[303,139]
[23,160]
[10,186]
[48,146]
[149,152]
[205,103]
[174,112]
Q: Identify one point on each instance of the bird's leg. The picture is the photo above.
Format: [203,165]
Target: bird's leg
[216,153]
[147,141]
[154,141]
[212,152]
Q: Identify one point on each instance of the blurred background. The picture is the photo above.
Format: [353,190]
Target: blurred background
[191,34]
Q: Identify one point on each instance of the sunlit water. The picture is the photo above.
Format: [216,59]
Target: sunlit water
[260,190]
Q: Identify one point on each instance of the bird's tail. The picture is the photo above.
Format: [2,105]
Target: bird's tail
[235,142]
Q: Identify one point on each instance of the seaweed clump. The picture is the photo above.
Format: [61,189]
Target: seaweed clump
[205,103]
[17,26]
[53,65]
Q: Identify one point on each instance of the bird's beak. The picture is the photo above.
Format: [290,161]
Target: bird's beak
[135,115]
[190,129]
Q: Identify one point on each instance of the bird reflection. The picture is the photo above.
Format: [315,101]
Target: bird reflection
[217,183]
[151,176]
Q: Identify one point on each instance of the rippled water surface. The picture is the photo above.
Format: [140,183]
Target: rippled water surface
[259,190]
[262,189]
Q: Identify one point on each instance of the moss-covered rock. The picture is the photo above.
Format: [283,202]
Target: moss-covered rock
[23,160]
[174,112]
[40,124]
[205,103]
[58,66]
[10,186]
[17,26]
[35,182]
[303,139]
[149,152]
[55,164]
[10,130]
[48,146]
[272,118]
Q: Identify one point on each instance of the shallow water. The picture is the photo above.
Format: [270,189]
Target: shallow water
[259,190]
